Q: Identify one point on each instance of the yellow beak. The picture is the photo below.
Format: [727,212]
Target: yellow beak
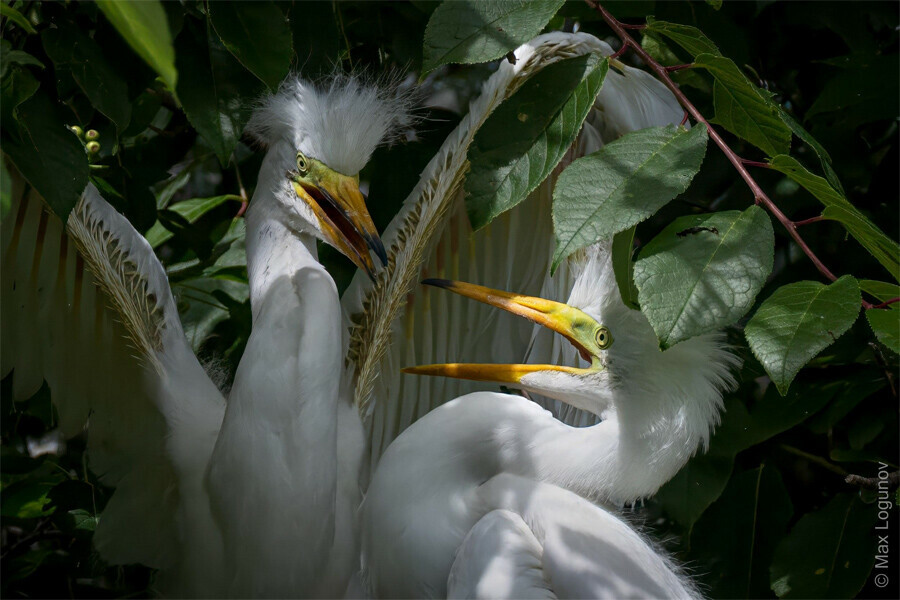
[556,316]
[341,209]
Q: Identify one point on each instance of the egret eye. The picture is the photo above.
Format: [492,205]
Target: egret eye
[604,338]
[302,164]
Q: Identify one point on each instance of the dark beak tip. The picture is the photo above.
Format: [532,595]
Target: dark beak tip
[441,283]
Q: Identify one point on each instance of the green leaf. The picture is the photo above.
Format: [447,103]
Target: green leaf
[854,389]
[215,90]
[469,31]
[744,109]
[146,29]
[828,554]
[49,156]
[813,143]
[838,208]
[257,35]
[885,323]
[622,184]
[623,266]
[797,322]
[703,272]
[191,210]
[715,4]
[73,51]
[524,139]
[755,510]
[689,38]
[16,17]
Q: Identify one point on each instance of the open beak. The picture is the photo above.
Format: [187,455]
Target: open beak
[556,316]
[341,209]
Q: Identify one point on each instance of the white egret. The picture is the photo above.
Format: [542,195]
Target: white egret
[488,467]
[264,503]
[248,499]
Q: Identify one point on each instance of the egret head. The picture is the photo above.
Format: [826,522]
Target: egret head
[319,138]
[620,360]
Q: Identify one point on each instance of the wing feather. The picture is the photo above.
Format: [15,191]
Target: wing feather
[88,309]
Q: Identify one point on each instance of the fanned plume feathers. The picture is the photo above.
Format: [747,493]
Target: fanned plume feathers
[339,121]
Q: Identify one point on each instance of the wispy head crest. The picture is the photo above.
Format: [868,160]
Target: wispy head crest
[339,120]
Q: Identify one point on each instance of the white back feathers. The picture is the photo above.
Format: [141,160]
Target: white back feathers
[339,121]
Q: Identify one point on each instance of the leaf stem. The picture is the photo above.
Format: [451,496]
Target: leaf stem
[808,221]
[739,163]
[673,68]
[886,303]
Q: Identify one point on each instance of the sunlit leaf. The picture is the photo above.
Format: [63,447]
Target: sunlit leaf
[702,273]
[797,322]
[258,35]
[828,554]
[744,109]
[525,137]
[16,17]
[146,29]
[838,208]
[622,184]
[469,31]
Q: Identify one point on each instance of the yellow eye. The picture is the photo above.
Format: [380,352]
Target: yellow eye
[604,338]
[302,164]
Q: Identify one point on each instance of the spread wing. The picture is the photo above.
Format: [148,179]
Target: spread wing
[398,323]
[87,307]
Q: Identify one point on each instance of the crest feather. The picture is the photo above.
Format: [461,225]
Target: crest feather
[339,121]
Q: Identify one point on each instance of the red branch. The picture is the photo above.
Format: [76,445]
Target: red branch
[886,303]
[739,163]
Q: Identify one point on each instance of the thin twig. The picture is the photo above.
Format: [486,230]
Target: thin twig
[872,483]
[759,195]
[808,221]
[673,68]
[887,303]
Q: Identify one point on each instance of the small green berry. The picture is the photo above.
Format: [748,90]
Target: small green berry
[93,147]
[77,130]
[92,134]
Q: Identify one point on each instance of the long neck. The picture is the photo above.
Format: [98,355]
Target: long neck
[273,251]
[628,456]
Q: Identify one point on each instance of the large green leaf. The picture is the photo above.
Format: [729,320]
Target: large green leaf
[744,109]
[703,272]
[470,31]
[622,184]
[48,155]
[797,322]
[15,89]
[838,208]
[523,140]
[146,29]
[258,35]
[75,52]
[690,38]
[755,510]
[828,554]
[215,90]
